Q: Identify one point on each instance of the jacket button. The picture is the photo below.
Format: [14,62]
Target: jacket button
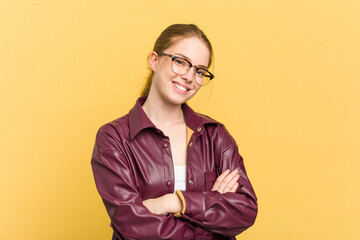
[199,129]
[190,144]
[165,145]
[190,181]
[168,183]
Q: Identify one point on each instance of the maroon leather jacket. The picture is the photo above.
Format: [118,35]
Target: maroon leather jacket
[132,162]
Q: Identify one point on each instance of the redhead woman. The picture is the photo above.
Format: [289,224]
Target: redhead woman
[164,171]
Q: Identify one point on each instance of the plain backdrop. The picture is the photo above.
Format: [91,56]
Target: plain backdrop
[287,88]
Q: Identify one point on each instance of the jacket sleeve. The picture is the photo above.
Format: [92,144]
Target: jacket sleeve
[226,214]
[116,184]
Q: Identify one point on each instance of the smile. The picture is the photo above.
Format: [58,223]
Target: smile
[180,87]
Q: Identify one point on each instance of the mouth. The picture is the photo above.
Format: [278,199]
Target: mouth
[180,88]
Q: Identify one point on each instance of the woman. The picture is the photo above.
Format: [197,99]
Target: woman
[164,171]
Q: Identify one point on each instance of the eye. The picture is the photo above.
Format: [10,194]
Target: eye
[180,62]
[201,72]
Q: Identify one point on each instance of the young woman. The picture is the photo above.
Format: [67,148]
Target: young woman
[164,171]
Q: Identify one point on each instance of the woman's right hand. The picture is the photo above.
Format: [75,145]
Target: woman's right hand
[226,182]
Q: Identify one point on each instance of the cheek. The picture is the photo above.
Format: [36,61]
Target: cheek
[166,74]
[196,89]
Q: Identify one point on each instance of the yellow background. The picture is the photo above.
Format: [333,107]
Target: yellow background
[287,87]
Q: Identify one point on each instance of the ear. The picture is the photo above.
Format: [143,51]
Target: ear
[153,60]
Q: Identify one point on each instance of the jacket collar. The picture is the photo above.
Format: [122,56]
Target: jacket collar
[138,120]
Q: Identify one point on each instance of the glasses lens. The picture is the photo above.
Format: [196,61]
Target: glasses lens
[180,66]
[202,76]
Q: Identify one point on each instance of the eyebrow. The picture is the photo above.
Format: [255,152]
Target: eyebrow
[182,55]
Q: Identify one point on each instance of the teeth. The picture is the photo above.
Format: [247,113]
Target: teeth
[180,87]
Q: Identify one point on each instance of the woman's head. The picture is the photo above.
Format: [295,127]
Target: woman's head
[170,36]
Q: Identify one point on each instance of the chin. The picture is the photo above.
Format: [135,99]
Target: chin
[178,100]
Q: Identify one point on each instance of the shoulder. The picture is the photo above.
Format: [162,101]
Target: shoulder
[218,132]
[114,132]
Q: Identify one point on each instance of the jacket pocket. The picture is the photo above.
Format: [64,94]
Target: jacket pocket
[210,178]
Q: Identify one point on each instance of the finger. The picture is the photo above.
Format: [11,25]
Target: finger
[220,179]
[226,180]
[231,184]
[234,188]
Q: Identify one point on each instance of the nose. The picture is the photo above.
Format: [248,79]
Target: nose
[190,75]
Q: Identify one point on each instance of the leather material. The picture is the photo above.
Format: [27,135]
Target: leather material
[132,162]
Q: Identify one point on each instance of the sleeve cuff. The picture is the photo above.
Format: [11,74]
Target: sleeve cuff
[181,196]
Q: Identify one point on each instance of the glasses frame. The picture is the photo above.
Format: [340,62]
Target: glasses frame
[173,57]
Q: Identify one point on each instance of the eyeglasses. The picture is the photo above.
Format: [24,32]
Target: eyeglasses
[182,66]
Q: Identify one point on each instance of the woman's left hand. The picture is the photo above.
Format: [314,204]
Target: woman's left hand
[227,182]
[168,203]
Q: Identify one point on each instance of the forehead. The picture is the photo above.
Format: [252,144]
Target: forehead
[193,48]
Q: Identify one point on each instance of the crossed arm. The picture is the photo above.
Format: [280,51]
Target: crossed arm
[203,212]
[171,203]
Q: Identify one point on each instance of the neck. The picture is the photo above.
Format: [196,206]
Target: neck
[162,113]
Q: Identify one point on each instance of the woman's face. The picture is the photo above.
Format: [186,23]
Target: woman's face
[169,86]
